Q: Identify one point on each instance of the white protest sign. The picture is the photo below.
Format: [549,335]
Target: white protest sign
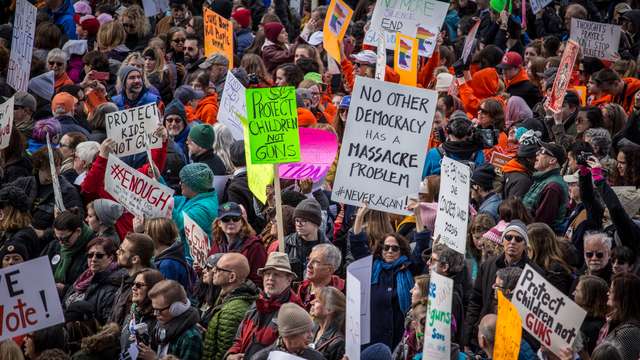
[352,331]
[24,30]
[29,299]
[538,5]
[138,193]
[406,16]
[470,40]
[383,147]
[281,355]
[57,194]
[358,328]
[546,313]
[6,122]
[453,205]
[437,332]
[198,240]
[232,103]
[381,58]
[597,40]
[133,129]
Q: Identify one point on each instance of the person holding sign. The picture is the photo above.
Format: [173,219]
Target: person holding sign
[134,92]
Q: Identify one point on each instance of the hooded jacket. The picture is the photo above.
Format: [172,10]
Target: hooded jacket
[172,264]
[521,86]
[100,293]
[202,208]
[145,97]
[207,109]
[457,150]
[63,17]
[251,247]
[516,179]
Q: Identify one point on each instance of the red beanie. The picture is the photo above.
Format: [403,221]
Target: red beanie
[272,30]
[242,16]
[89,23]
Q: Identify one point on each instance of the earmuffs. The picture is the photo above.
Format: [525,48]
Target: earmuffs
[178,308]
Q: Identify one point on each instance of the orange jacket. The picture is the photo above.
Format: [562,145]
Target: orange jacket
[600,101]
[306,117]
[207,109]
[503,144]
[425,73]
[62,81]
[631,86]
[520,77]
[484,84]
[191,113]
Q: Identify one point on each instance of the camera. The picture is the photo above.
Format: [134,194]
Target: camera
[582,158]
[253,79]
[141,331]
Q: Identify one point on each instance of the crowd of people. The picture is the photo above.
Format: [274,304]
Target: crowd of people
[563,200]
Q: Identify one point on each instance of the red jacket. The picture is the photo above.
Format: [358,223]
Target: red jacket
[252,248]
[306,295]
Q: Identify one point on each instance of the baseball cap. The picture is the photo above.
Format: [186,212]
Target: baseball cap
[24,99]
[313,76]
[316,38]
[554,150]
[345,102]
[365,57]
[510,60]
[186,93]
[215,59]
[229,209]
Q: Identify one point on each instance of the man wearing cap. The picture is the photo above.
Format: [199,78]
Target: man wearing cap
[200,147]
[24,106]
[63,106]
[134,92]
[258,329]
[518,172]
[547,198]
[241,20]
[217,66]
[516,79]
[298,246]
[482,190]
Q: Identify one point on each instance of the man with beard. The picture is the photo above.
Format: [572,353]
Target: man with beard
[134,92]
[216,65]
[178,129]
[180,16]
[193,54]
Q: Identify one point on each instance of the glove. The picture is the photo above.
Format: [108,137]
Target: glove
[458,68]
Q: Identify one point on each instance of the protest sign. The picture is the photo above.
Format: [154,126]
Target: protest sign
[198,240]
[427,36]
[381,59]
[281,355]
[499,159]
[596,39]
[6,122]
[273,125]
[469,41]
[258,176]
[538,5]
[233,103]
[405,59]
[24,29]
[406,17]
[336,23]
[508,330]
[29,299]
[383,147]
[358,310]
[138,193]
[563,77]
[437,333]
[55,181]
[318,150]
[453,204]
[133,129]
[547,314]
[218,36]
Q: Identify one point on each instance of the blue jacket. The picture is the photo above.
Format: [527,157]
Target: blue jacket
[63,17]
[70,124]
[244,39]
[181,141]
[490,206]
[147,97]
[202,208]
[433,159]
[172,264]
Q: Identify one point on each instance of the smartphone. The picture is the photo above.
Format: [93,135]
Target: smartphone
[101,76]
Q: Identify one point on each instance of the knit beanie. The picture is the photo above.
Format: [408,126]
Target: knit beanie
[309,209]
[202,135]
[12,247]
[14,197]
[293,320]
[108,211]
[272,30]
[124,72]
[495,233]
[519,227]
[483,176]
[242,16]
[175,107]
[197,176]
[42,85]
[377,351]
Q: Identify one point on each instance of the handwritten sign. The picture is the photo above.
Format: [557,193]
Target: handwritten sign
[547,314]
[233,103]
[336,23]
[29,299]
[259,176]
[218,35]
[138,193]
[508,330]
[538,5]
[273,125]
[358,310]
[133,129]
[6,122]
[563,77]
[382,151]
[318,149]
[437,333]
[405,59]
[198,240]
[453,204]
[24,29]
[597,40]
[55,181]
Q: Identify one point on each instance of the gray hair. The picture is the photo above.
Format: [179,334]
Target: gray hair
[222,143]
[509,276]
[332,254]
[57,54]
[599,236]
[87,151]
[448,256]
[600,140]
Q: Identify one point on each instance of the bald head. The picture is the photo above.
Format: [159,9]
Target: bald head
[487,332]
[237,263]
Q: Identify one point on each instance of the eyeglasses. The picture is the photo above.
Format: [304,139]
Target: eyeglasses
[173,120]
[315,263]
[590,254]
[181,40]
[53,63]
[227,219]
[217,268]
[96,255]
[158,311]
[139,285]
[392,248]
[64,238]
[301,222]
[517,238]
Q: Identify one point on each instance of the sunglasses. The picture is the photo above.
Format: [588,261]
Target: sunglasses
[96,255]
[52,63]
[590,254]
[139,285]
[517,238]
[217,268]
[158,311]
[173,120]
[227,219]
[181,40]
[392,248]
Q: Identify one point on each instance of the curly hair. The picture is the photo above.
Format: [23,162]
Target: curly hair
[632,171]
[405,249]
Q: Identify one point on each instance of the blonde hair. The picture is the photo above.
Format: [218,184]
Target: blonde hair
[9,350]
[139,20]
[110,35]
[334,301]
[163,231]
[14,219]
[132,57]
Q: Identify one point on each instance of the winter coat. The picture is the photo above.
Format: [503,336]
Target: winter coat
[79,262]
[306,295]
[133,318]
[332,343]
[547,198]
[25,236]
[63,17]
[99,294]
[146,97]
[15,169]
[237,191]
[179,337]
[172,264]
[122,300]
[521,86]
[274,55]
[458,150]
[226,317]
[490,206]
[299,250]
[626,338]
[589,331]
[212,160]
[101,346]
[207,109]
[307,353]
[176,160]
[251,247]
[244,40]
[516,179]
[202,208]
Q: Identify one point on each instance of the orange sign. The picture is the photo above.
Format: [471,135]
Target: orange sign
[563,76]
[405,59]
[508,330]
[335,26]
[218,36]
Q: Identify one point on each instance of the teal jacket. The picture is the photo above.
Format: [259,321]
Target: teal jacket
[202,208]
[547,198]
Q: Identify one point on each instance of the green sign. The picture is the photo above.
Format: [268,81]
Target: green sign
[273,125]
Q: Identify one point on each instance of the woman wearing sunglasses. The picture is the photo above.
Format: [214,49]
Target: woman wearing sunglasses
[57,62]
[232,233]
[98,284]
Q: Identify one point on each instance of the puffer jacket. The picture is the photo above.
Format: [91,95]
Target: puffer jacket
[252,248]
[100,294]
[63,17]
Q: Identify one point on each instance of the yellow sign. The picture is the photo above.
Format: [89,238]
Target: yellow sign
[335,26]
[508,330]
[218,36]
[405,59]
[258,176]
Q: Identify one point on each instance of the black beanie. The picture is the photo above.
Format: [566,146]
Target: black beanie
[484,175]
[14,197]
[14,248]
[309,209]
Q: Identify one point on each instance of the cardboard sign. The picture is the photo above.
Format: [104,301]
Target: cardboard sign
[138,193]
[358,310]
[547,314]
[258,176]
[427,36]
[29,299]
[218,36]
[437,332]
[132,129]
[405,59]
[453,204]
[55,181]
[563,76]
[538,5]
[318,148]
[233,103]
[6,122]
[508,330]
[273,125]
[382,151]
[499,160]
[24,29]
[597,40]
[381,58]
[405,16]
[335,26]
[469,41]
[198,240]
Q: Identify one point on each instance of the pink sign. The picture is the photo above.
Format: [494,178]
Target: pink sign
[318,150]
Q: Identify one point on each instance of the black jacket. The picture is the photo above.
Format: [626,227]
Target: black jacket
[527,91]
[27,237]
[99,294]
[122,299]
[237,190]
[212,160]
[331,344]
[15,169]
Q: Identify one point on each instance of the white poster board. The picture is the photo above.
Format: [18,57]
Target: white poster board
[198,240]
[453,205]
[281,355]
[138,193]
[353,340]
[233,102]
[538,5]
[57,193]
[597,40]
[437,333]
[6,122]
[133,129]
[29,299]
[547,314]
[24,30]
[405,16]
[383,147]
[381,58]
[360,330]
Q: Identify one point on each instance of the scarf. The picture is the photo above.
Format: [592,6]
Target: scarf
[67,254]
[266,305]
[84,280]
[463,149]
[404,279]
